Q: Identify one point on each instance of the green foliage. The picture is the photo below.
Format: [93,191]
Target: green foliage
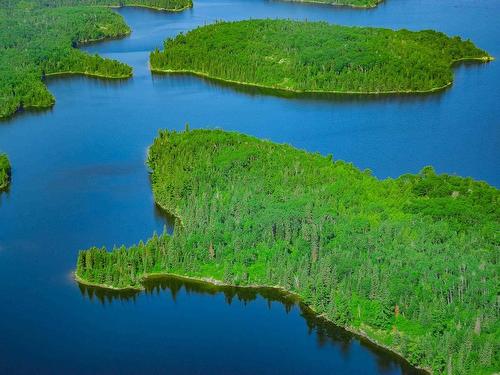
[38,38]
[5,171]
[316,56]
[352,246]
[36,42]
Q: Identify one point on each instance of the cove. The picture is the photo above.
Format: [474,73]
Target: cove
[265,309]
[79,180]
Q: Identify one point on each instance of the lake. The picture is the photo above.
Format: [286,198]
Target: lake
[80,180]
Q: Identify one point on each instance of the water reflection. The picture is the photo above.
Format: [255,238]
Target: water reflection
[255,91]
[4,193]
[174,285]
[22,112]
[326,334]
[107,296]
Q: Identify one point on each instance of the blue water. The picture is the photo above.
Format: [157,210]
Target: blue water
[80,180]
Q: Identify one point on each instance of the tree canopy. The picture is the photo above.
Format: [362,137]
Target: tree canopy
[37,38]
[5,172]
[316,56]
[412,261]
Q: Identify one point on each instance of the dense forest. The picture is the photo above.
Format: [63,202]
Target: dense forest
[5,172]
[412,262]
[316,56]
[352,3]
[37,38]
[35,42]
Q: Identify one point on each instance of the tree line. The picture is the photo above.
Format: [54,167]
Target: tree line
[410,261]
[316,56]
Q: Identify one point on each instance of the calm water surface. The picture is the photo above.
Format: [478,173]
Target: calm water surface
[80,180]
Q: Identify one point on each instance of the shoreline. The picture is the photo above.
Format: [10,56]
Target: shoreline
[77,45]
[170,212]
[333,92]
[84,42]
[79,280]
[360,333]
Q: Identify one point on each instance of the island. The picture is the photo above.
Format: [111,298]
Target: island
[350,3]
[317,57]
[38,39]
[410,263]
[5,172]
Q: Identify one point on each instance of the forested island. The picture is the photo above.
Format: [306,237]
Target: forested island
[38,38]
[5,172]
[409,262]
[350,3]
[317,57]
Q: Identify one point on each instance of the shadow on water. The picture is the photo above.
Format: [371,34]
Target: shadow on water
[254,91]
[158,285]
[166,217]
[107,296]
[22,112]
[162,215]
[325,332]
[5,193]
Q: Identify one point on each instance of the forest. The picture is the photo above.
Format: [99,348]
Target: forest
[38,38]
[5,172]
[352,3]
[411,262]
[316,56]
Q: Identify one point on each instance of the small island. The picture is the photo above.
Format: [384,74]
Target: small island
[5,172]
[38,39]
[409,263]
[317,57]
[365,4]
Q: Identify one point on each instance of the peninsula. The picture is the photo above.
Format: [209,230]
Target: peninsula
[38,39]
[408,262]
[317,57]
